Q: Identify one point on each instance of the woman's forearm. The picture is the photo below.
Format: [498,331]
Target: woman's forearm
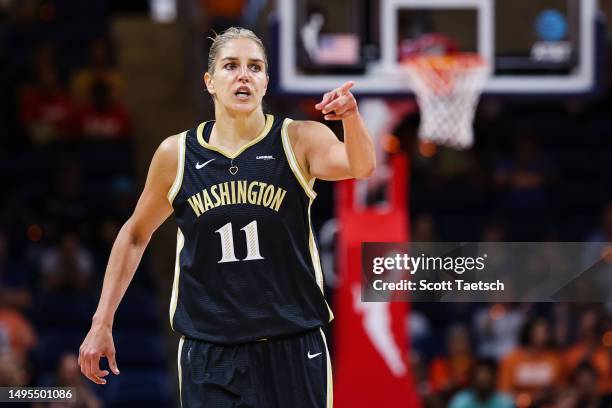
[122,264]
[359,146]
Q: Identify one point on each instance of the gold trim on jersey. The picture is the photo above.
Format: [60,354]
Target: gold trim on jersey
[178,179]
[316,262]
[294,164]
[264,132]
[330,380]
[180,371]
[180,241]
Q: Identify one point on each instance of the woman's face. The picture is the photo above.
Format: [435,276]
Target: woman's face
[459,342]
[240,80]
[539,335]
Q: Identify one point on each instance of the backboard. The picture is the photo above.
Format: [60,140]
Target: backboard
[543,47]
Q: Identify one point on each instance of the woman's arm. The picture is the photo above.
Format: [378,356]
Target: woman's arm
[151,211]
[322,155]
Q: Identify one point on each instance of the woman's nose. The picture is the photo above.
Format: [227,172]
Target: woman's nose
[243,72]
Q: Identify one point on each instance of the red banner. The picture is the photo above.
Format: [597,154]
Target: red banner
[371,347]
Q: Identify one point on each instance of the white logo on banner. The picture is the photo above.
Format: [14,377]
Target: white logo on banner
[377,325]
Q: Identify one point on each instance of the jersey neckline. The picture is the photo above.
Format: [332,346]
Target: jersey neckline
[264,132]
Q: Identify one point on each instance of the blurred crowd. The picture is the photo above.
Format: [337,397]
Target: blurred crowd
[504,355]
[537,172]
[543,186]
[66,166]
[60,70]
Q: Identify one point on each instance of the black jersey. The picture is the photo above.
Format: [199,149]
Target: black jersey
[247,265]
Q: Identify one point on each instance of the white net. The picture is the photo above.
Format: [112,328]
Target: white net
[447,90]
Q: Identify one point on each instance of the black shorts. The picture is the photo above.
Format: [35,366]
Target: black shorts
[277,373]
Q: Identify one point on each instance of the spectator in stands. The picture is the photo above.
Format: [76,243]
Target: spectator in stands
[452,372]
[588,349]
[456,165]
[598,239]
[123,197]
[524,176]
[533,371]
[45,109]
[584,392]
[423,229]
[493,231]
[17,332]
[67,203]
[563,322]
[497,327]
[68,267]
[13,372]
[13,279]
[522,181]
[420,333]
[483,392]
[107,233]
[418,370]
[103,117]
[500,261]
[20,32]
[99,69]
[69,375]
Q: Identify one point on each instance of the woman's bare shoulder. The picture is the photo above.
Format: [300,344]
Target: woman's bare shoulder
[165,160]
[305,128]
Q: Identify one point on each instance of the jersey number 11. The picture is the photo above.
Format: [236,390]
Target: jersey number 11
[227,243]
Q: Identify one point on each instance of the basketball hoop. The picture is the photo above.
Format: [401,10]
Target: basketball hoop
[447,89]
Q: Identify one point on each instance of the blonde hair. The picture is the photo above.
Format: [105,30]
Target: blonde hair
[232,33]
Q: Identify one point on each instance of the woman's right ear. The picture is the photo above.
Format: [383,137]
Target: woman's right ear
[208,83]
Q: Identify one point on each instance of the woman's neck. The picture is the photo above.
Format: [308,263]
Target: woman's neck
[232,131]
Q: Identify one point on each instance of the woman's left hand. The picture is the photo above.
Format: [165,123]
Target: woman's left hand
[339,103]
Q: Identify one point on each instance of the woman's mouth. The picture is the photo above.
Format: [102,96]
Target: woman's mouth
[243,93]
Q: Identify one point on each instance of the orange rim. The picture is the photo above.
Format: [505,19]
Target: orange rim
[439,72]
[445,62]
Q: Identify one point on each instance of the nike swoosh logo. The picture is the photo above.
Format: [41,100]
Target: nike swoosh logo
[199,166]
[311,356]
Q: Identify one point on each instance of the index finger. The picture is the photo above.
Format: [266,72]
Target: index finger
[345,88]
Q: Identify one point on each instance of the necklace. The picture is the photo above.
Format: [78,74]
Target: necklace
[233,168]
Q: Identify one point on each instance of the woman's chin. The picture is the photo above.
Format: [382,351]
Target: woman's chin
[241,107]
[244,107]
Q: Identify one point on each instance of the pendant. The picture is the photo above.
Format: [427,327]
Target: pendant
[233,170]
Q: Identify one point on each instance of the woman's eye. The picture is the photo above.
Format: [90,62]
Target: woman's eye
[256,67]
[230,65]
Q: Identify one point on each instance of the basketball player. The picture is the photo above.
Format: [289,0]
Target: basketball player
[248,287]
